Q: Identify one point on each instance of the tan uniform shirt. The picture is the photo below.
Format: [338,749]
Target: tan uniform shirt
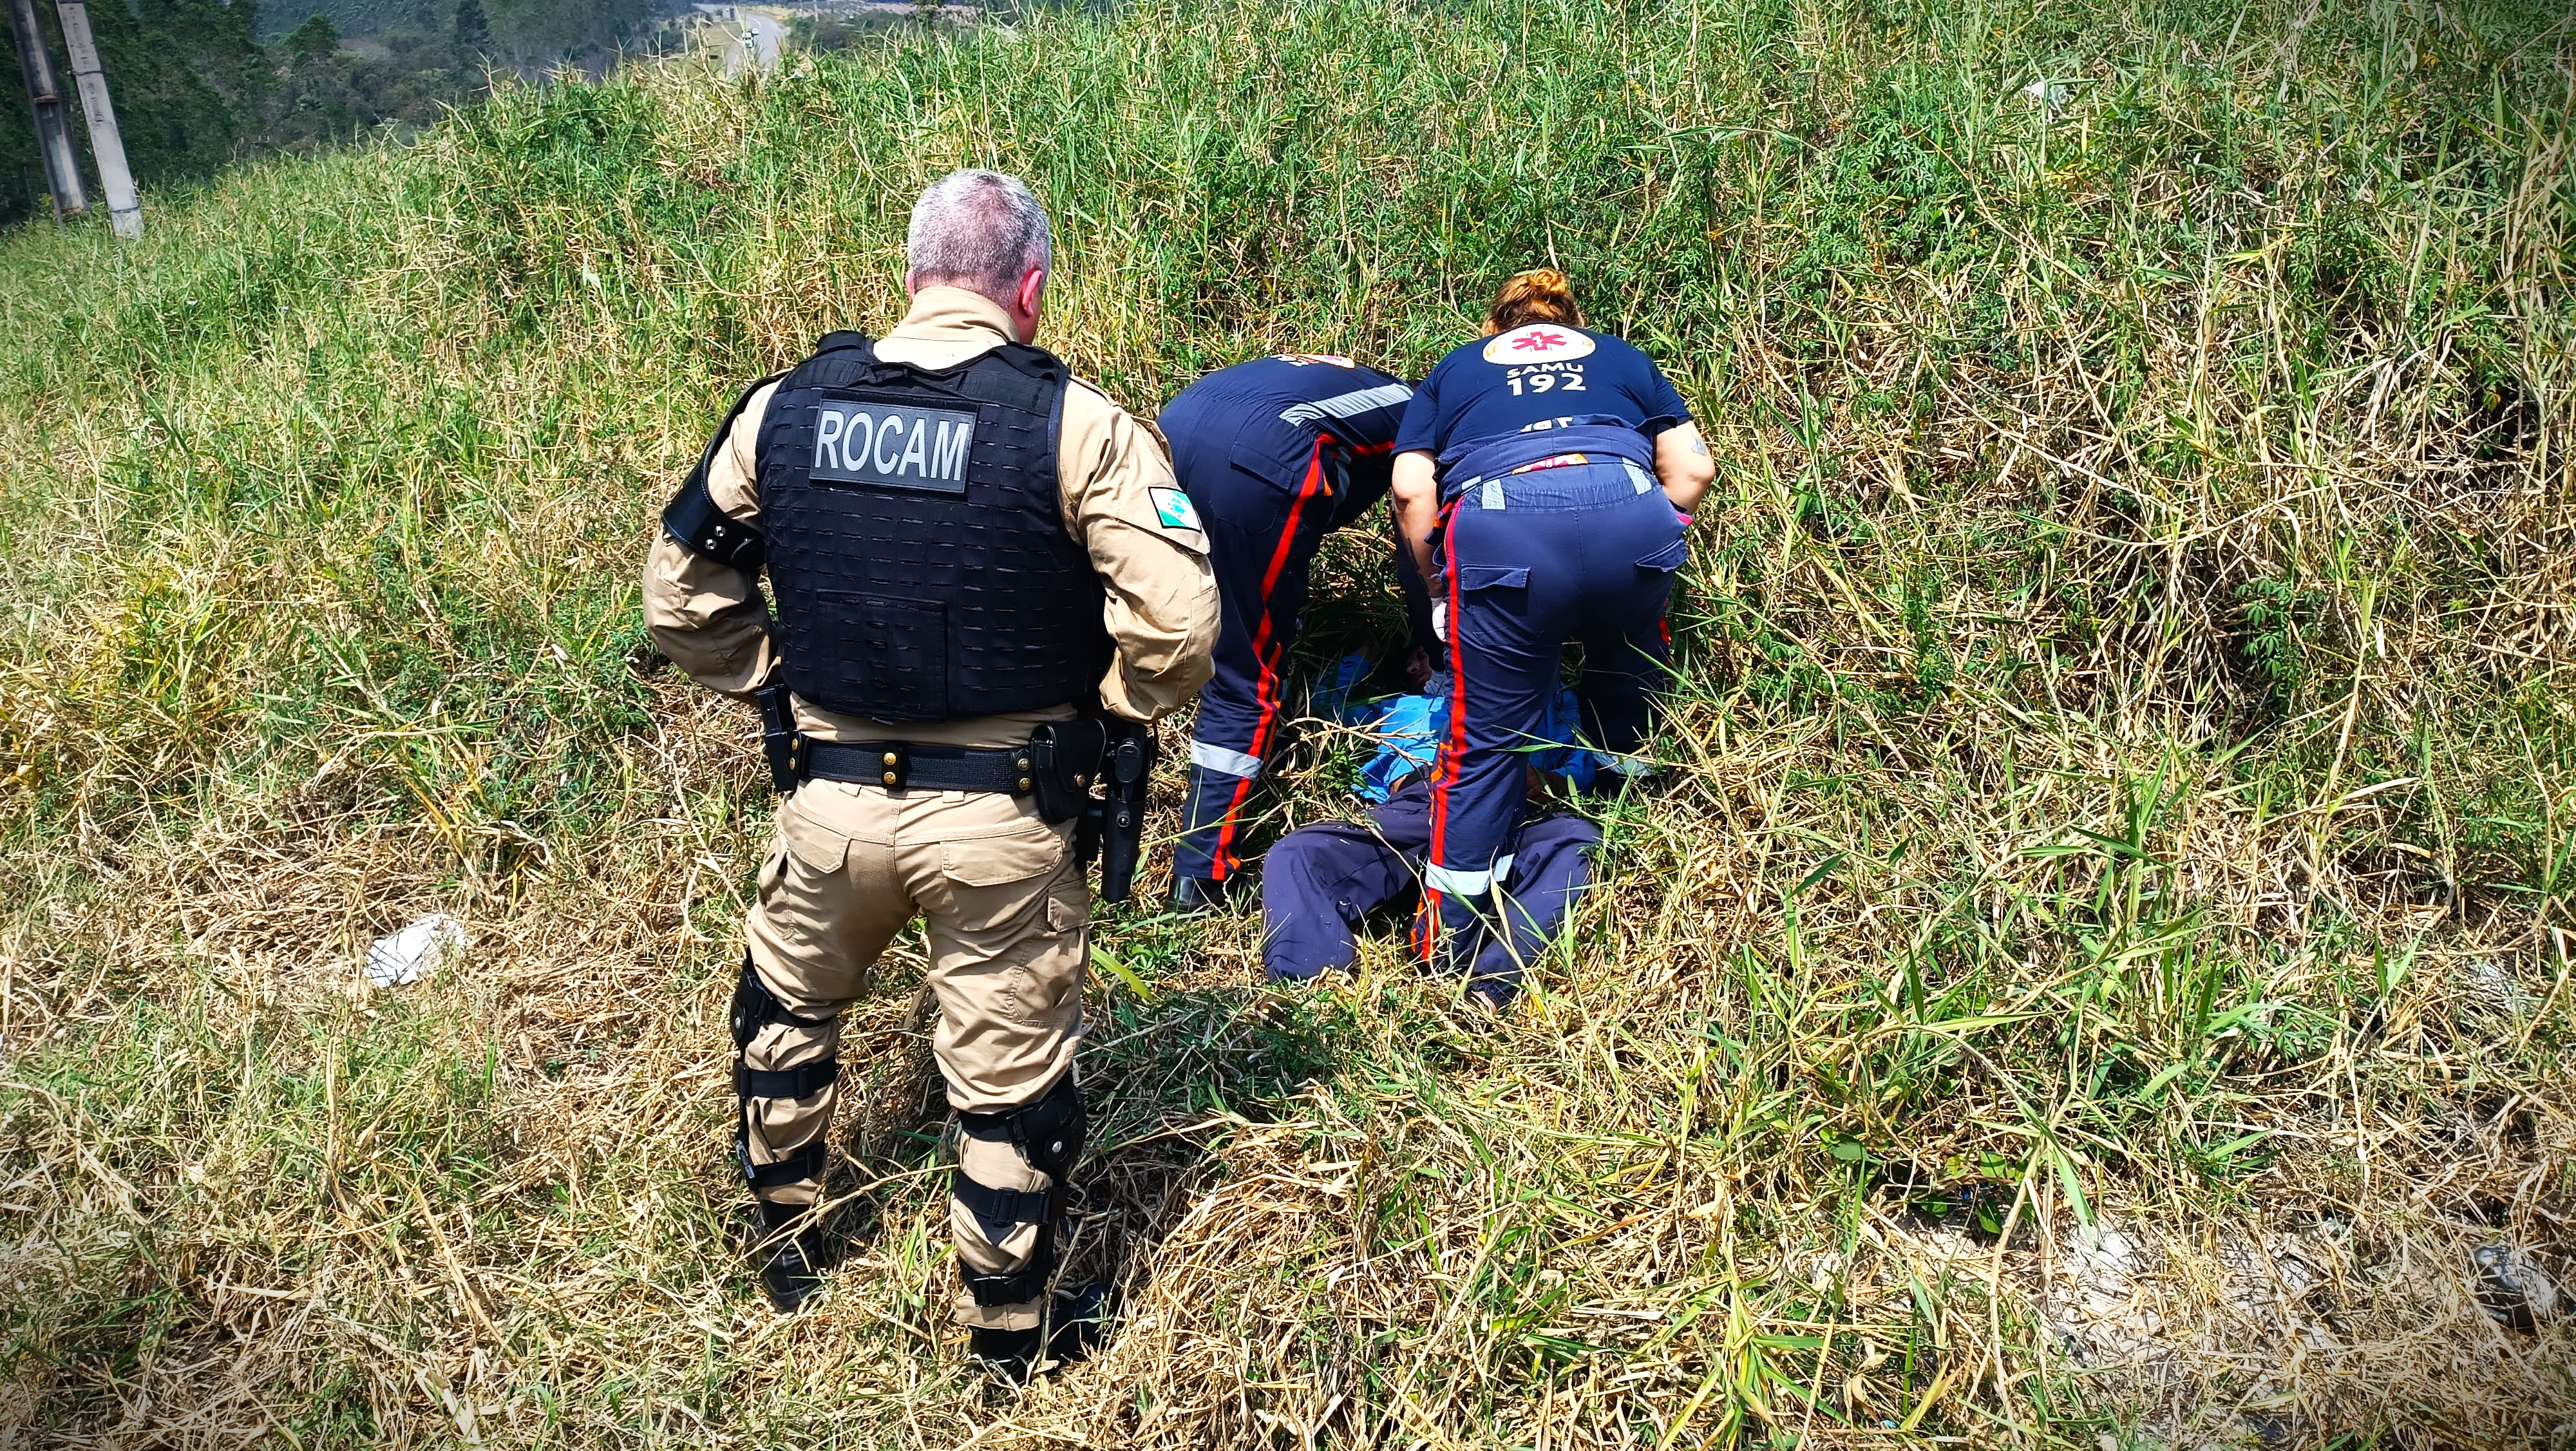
[1161,606]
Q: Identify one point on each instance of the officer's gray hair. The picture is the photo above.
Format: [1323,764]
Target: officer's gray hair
[980,230]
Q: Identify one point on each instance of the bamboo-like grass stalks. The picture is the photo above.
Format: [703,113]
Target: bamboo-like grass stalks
[2092,971]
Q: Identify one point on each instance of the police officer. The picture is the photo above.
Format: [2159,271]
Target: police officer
[1320,882]
[964,541]
[1274,454]
[1534,455]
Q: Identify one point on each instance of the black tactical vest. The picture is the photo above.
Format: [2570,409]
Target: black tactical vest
[917,539]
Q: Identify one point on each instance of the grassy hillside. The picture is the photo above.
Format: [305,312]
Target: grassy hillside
[2095,970]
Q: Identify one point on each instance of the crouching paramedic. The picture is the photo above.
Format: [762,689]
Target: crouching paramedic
[965,544]
[1530,461]
[1274,454]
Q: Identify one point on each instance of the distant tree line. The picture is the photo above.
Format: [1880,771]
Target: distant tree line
[201,83]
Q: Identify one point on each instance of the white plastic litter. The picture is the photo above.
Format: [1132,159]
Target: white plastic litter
[2515,1290]
[415,952]
[2045,92]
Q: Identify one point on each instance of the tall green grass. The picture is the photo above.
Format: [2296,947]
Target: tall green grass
[2120,774]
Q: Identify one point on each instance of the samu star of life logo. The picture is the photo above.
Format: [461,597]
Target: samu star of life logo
[1537,342]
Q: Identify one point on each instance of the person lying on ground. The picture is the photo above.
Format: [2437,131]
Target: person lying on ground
[1322,882]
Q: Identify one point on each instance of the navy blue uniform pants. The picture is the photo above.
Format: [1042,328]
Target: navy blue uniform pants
[1321,882]
[1261,543]
[1582,551]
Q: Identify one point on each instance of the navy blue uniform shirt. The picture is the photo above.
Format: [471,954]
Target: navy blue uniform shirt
[1541,375]
[1269,413]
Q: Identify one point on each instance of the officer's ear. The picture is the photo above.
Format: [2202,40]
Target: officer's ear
[1028,304]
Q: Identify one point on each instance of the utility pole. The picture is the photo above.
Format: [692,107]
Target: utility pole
[124,208]
[53,143]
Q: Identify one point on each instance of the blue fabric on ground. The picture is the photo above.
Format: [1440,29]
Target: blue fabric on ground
[1409,729]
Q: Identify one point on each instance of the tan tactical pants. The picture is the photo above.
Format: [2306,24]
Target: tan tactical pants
[1008,914]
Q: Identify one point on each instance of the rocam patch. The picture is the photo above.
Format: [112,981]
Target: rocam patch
[892,446]
[1179,517]
[1538,342]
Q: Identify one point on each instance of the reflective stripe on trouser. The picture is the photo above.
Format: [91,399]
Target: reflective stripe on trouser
[1321,881]
[1576,552]
[1261,542]
[1007,911]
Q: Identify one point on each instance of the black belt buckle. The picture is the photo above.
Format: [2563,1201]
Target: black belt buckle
[893,763]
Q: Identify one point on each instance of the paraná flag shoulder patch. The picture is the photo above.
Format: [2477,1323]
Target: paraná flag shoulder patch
[1538,342]
[1179,517]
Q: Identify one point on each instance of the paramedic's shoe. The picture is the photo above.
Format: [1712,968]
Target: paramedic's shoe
[1199,894]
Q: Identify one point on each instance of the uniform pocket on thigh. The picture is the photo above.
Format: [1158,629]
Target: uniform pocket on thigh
[1473,577]
[991,888]
[1068,904]
[999,939]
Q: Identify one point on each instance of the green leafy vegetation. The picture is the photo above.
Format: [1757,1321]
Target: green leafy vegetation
[2094,964]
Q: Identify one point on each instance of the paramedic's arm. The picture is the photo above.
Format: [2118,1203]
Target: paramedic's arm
[1417,508]
[1683,466]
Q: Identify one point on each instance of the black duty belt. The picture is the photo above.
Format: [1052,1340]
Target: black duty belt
[898,765]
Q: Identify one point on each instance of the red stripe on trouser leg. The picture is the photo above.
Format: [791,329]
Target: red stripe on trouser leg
[1222,861]
[1444,773]
[1265,654]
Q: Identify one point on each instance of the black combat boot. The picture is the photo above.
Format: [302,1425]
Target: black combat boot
[791,1265]
[1075,1318]
[1199,894]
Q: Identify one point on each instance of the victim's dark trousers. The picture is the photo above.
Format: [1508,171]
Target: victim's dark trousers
[1320,882]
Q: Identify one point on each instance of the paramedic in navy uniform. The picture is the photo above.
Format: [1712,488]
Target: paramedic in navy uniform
[1534,456]
[1274,454]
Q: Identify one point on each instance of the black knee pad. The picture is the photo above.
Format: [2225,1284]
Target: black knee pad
[1020,1286]
[1048,1133]
[754,1005]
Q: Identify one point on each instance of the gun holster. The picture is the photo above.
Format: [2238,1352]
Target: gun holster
[1065,757]
[1128,771]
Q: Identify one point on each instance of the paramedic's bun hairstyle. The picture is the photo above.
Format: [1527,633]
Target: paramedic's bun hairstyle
[1542,294]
